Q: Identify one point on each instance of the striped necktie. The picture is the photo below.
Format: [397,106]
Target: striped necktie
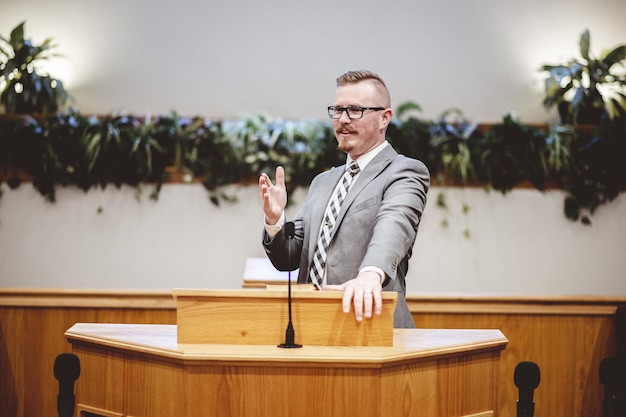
[319,257]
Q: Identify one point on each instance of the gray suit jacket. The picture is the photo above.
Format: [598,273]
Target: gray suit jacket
[376,226]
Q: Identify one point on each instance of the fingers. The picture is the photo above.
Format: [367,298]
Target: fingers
[367,302]
[265,182]
[366,299]
[361,306]
[348,296]
[378,302]
[273,197]
[280,177]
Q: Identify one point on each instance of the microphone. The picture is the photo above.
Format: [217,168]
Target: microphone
[612,375]
[526,378]
[66,371]
[290,231]
[290,335]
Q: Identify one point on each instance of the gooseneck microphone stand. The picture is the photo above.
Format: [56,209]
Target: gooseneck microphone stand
[66,371]
[613,377]
[290,231]
[526,378]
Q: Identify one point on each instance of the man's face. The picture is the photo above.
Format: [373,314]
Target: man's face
[358,136]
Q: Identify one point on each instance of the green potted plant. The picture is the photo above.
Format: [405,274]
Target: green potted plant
[452,145]
[303,147]
[452,141]
[594,172]
[511,153]
[24,88]
[410,134]
[585,90]
[590,97]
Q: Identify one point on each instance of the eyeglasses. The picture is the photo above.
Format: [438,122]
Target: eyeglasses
[354,112]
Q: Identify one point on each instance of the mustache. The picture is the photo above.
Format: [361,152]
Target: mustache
[344,129]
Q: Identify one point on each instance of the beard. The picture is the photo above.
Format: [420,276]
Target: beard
[344,145]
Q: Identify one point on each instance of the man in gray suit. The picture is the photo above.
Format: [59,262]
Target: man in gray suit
[360,242]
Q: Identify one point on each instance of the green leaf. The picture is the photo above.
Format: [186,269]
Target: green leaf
[614,56]
[17,36]
[407,107]
[585,44]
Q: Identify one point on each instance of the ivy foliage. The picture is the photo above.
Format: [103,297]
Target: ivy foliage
[71,149]
[44,142]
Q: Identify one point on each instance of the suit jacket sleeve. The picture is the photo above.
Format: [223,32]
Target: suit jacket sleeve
[397,217]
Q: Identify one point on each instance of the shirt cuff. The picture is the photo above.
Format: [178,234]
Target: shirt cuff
[379,271]
[273,229]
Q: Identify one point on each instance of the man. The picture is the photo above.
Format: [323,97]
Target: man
[360,242]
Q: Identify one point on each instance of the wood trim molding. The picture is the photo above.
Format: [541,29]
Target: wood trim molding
[75,298]
[507,304]
[87,411]
[418,303]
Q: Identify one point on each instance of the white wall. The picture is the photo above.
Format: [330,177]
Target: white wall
[520,243]
[220,59]
[224,58]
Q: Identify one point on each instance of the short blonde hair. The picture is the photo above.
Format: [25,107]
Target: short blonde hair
[353,77]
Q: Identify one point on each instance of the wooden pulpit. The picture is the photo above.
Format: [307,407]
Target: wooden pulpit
[222,359]
[260,317]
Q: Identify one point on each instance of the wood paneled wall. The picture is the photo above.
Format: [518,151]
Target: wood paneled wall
[32,327]
[567,337]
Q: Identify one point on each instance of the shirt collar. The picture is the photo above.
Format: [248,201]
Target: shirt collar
[367,158]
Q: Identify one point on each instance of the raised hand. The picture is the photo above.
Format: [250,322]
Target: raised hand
[273,197]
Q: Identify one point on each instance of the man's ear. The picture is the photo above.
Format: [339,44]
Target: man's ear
[385,118]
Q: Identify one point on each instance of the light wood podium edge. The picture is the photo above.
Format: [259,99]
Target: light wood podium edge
[359,356]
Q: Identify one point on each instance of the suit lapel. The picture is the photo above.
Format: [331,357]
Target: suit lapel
[371,171]
[320,203]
